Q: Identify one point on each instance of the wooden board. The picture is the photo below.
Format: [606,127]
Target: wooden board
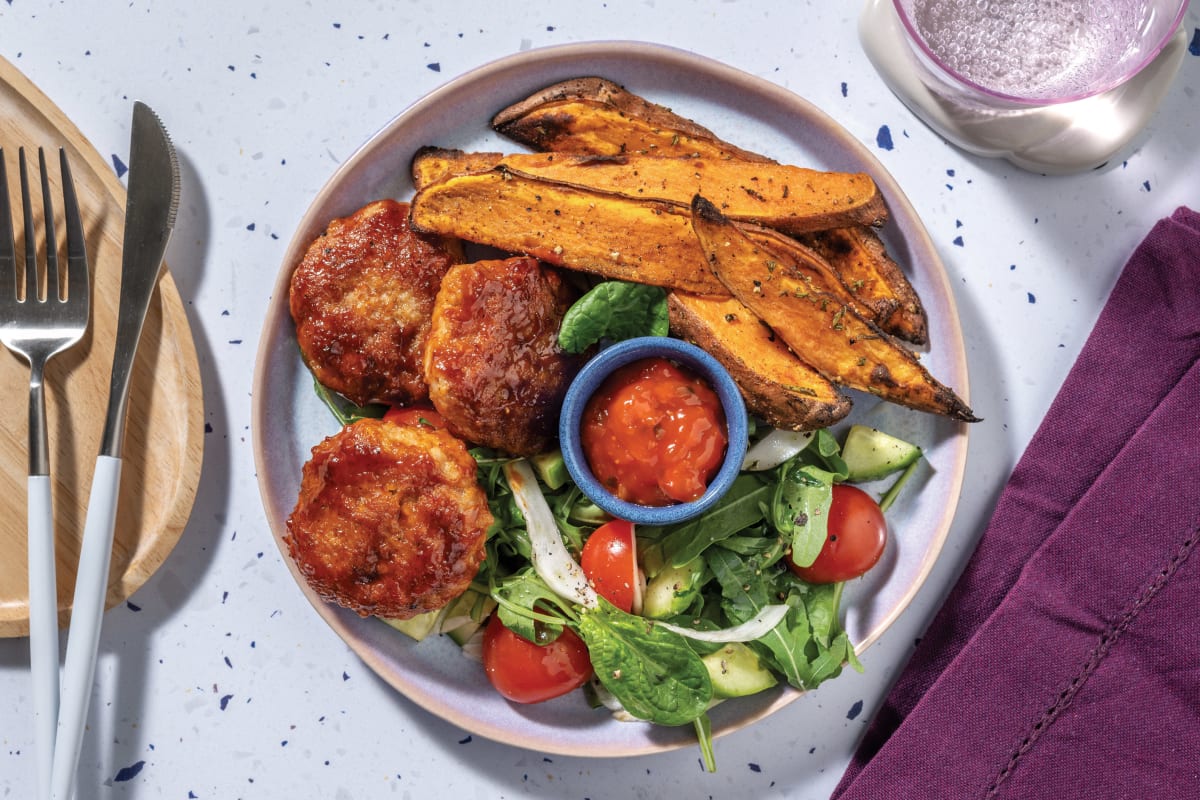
[164,435]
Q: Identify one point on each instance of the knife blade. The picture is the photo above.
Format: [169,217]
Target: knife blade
[150,210]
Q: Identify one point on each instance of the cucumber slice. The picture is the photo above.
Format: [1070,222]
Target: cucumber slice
[736,671]
[672,590]
[460,618]
[465,615]
[870,454]
[417,627]
[551,469]
[464,632]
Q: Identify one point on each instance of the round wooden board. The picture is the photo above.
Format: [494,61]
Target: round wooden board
[164,435]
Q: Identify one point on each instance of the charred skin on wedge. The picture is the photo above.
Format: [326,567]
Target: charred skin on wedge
[860,259]
[432,164]
[777,386]
[595,115]
[822,330]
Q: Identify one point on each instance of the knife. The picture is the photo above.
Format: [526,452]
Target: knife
[150,209]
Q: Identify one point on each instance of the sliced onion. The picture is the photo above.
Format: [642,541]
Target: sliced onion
[639,583]
[551,559]
[756,627]
[775,448]
[639,577]
[605,697]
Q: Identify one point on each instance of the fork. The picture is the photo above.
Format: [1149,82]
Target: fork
[37,326]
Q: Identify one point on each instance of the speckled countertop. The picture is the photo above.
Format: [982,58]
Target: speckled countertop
[217,680]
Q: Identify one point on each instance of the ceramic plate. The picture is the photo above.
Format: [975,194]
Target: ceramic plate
[748,111]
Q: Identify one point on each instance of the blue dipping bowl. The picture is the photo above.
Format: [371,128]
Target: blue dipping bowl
[588,381]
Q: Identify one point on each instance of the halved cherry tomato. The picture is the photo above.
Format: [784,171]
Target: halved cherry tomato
[857,535]
[525,672]
[609,560]
[414,415]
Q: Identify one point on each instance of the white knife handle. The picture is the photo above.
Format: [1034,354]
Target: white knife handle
[43,628]
[83,638]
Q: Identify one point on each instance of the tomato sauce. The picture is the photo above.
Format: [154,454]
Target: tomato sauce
[654,433]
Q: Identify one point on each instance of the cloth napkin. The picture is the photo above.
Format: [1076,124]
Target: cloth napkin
[1065,662]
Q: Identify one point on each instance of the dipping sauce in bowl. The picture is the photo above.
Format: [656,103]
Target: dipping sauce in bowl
[653,430]
[654,433]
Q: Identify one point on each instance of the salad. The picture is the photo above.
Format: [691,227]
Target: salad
[659,623]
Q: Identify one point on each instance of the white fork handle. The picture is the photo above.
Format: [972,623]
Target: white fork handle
[83,638]
[43,628]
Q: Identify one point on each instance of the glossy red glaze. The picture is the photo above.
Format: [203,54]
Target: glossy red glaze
[654,433]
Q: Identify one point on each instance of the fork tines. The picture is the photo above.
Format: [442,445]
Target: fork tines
[76,284]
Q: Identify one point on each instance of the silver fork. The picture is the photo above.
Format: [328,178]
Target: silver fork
[37,326]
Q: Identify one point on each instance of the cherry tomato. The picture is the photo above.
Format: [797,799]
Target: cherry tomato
[857,534]
[414,415]
[525,672]
[609,559]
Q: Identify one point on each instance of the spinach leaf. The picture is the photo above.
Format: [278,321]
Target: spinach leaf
[828,661]
[651,670]
[342,409]
[824,451]
[528,607]
[614,310]
[704,735]
[740,508]
[803,492]
[745,590]
[507,541]
[800,508]
[821,602]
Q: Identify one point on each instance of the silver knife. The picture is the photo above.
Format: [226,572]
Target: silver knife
[150,209]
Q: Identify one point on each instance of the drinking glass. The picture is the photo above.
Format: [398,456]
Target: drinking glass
[1052,85]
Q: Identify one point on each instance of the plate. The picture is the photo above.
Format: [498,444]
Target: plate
[164,437]
[288,419]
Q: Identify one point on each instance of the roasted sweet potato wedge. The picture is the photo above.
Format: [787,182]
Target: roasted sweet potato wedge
[645,241]
[794,258]
[877,282]
[595,115]
[433,164]
[786,198]
[823,331]
[777,386]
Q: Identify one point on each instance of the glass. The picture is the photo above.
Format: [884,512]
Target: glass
[1052,85]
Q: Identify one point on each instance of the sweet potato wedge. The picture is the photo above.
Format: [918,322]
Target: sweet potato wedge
[645,241]
[777,386]
[786,198]
[823,331]
[797,260]
[432,164]
[594,115]
[862,262]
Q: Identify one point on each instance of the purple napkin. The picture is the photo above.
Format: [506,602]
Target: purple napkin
[1066,661]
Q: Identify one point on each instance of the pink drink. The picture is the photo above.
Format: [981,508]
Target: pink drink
[1036,49]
